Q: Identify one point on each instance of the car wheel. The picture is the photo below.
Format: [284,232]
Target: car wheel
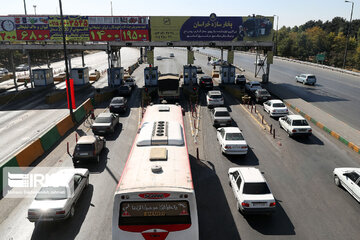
[289,135]
[72,211]
[303,82]
[280,125]
[98,158]
[337,181]
[104,145]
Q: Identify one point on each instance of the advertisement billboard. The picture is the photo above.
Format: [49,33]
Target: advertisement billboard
[212,28]
[76,28]
[32,28]
[7,29]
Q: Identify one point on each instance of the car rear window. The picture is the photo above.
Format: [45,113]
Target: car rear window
[311,77]
[117,101]
[300,123]
[256,85]
[234,136]
[216,96]
[84,147]
[278,105]
[206,79]
[103,120]
[52,193]
[263,92]
[222,114]
[256,188]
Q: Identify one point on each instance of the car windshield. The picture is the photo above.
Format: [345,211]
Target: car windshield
[278,105]
[84,147]
[256,84]
[129,80]
[300,123]
[256,188]
[222,114]
[120,100]
[124,88]
[103,120]
[234,136]
[52,193]
[215,96]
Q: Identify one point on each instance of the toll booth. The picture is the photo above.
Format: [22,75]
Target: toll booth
[190,74]
[80,75]
[43,77]
[151,76]
[227,74]
[115,76]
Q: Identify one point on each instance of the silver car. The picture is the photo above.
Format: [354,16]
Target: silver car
[105,123]
[57,197]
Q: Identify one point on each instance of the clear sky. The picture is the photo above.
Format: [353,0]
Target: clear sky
[290,12]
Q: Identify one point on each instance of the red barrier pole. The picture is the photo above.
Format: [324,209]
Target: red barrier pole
[274,133]
[68,148]
[251,108]
[197,153]
[76,137]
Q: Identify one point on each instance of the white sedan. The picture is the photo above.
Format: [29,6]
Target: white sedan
[251,191]
[232,141]
[295,125]
[276,108]
[349,179]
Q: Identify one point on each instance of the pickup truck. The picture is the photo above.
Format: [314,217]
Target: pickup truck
[168,87]
[221,117]
[57,198]
[88,147]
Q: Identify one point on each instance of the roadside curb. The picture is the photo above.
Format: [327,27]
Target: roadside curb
[334,134]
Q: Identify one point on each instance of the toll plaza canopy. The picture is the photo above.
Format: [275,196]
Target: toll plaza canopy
[100,32]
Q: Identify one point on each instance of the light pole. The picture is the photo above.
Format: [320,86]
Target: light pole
[276,34]
[111,8]
[25,7]
[34,9]
[66,60]
[348,32]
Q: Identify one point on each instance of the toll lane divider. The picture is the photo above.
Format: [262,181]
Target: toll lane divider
[26,156]
[334,134]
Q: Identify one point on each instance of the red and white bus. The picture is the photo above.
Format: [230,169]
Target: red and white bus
[155,197]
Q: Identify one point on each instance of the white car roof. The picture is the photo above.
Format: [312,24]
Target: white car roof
[308,74]
[86,139]
[256,82]
[63,177]
[231,129]
[250,174]
[276,101]
[345,170]
[296,117]
[221,109]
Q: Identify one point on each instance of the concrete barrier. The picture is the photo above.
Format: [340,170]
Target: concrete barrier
[55,96]
[234,91]
[50,138]
[65,125]
[10,163]
[104,95]
[29,154]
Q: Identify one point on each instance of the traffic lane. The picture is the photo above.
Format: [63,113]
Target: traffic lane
[259,150]
[170,64]
[93,213]
[300,176]
[214,215]
[335,93]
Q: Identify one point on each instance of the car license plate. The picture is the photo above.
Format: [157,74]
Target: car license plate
[259,204]
[47,219]
[302,130]
[83,154]
[222,124]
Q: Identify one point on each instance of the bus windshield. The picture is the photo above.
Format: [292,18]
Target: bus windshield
[154,213]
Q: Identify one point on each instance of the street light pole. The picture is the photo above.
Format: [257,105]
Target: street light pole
[276,34]
[348,32]
[34,9]
[111,8]
[66,59]
[25,7]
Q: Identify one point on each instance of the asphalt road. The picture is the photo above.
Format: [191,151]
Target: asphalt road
[335,93]
[299,173]
[24,120]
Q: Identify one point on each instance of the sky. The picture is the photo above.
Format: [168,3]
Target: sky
[290,12]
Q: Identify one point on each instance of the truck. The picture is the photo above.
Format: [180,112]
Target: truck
[168,87]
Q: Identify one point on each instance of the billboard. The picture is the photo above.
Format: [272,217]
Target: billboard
[32,28]
[76,28]
[7,29]
[212,28]
[118,28]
